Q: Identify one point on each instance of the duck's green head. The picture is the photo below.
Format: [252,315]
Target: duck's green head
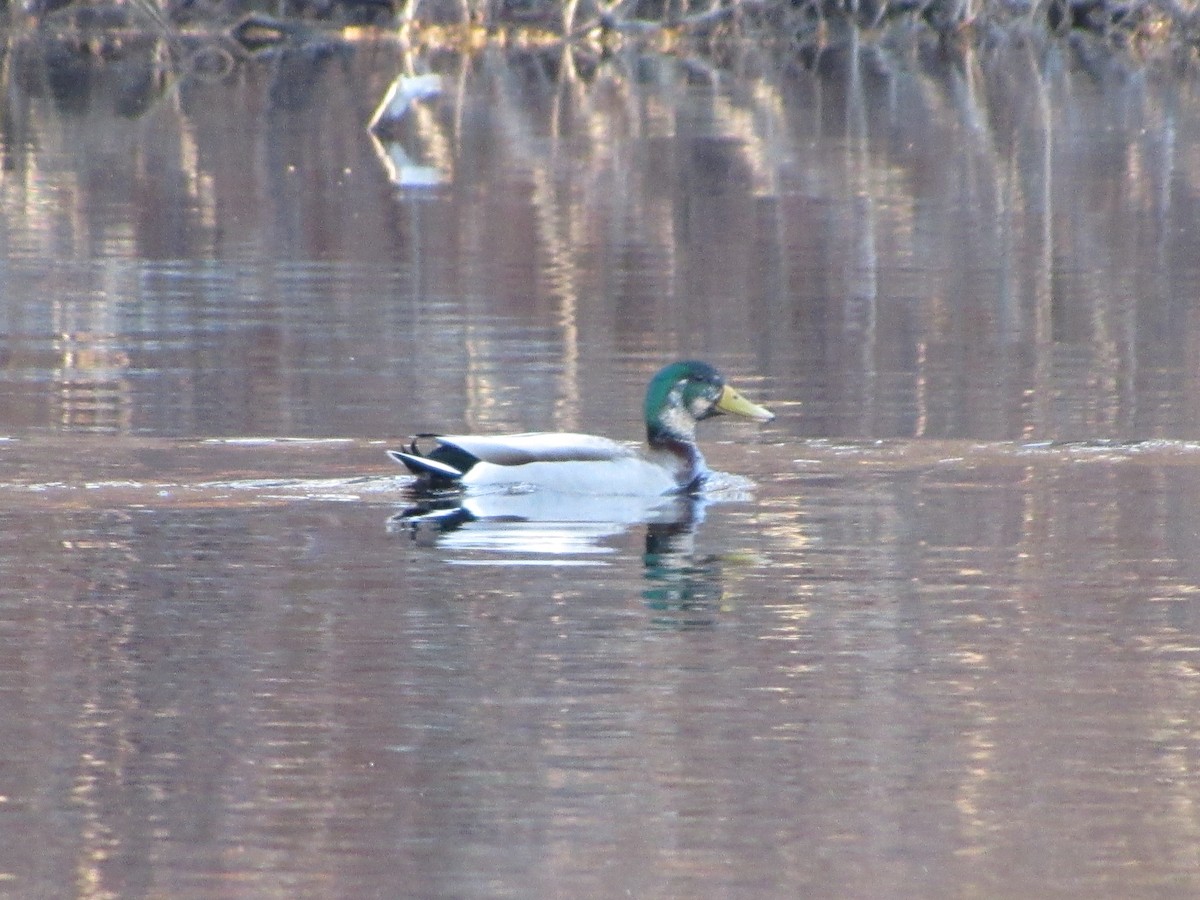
[684,393]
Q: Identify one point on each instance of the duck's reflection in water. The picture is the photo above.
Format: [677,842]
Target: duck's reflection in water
[524,527]
[683,587]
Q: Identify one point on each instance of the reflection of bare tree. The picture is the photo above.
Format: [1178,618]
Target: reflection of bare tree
[585,130]
[886,217]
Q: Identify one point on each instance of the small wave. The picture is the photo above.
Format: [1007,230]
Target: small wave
[272,441]
[727,487]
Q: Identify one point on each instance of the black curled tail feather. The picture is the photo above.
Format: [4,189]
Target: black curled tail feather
[425,467]
[442,467]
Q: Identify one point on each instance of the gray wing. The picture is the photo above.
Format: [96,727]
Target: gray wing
[520,449]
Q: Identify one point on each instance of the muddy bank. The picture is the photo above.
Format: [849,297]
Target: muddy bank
[1141,30]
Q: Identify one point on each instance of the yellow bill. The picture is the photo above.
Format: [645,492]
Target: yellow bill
[733,402]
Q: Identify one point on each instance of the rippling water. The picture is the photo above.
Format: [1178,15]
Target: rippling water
[938,634]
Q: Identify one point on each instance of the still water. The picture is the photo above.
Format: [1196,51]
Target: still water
[945,640]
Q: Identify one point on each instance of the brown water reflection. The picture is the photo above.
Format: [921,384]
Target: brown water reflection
[900,244]
[942,677]
[961,660]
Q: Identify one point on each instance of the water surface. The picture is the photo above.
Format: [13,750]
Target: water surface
[945,642]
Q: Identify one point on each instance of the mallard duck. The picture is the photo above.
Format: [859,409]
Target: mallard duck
[678,397]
